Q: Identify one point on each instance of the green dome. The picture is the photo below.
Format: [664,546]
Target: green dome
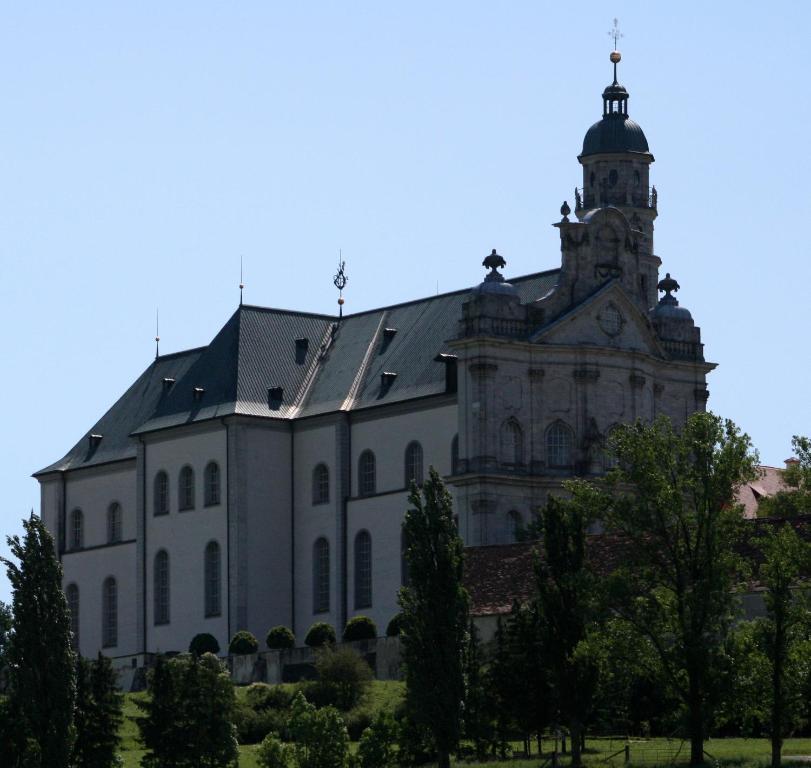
[614,133]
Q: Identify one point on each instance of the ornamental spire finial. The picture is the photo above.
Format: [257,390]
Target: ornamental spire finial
[615,56]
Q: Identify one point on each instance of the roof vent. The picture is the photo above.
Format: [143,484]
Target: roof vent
[275,398]
[451,380]
[302,345]
[388,335]
[198,393]
[94,440]
[168,383]
[386,380]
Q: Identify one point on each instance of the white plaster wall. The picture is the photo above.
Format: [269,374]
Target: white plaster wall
[263,453]
[315,442]
[50,504]
[184,535]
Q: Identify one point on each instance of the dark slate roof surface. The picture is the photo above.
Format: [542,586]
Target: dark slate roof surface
[256,350]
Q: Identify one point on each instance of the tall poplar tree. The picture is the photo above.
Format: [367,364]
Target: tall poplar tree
[674,505]
[97,717]
[434,617]
[41,662]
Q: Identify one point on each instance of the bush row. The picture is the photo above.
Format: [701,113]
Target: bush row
[282,638]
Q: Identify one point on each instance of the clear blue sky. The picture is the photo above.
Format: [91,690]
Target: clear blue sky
[144,147]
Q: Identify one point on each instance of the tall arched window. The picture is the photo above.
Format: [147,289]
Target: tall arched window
[72,597]
[455,455]
[161,579]
[109,613]
[76,529]
[413,463]
[559,445]
[367,474]
[212,484]
[211,579]
[512,443]
[363,570]
[185,499]
[321,576]
[114,523]
[320,484]
[161,500]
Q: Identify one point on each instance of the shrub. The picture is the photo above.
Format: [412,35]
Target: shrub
[280,638]
[395,626]
[376,747]
[254,725]
[320,634]
[204,643]
[264,696]
[360,628]
[243,643]
[272,753]
[320,737]
[344,674]
[357,721]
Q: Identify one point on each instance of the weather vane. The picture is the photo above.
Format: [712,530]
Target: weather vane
[340,280]
[241,283]
[615,33]
[157,333]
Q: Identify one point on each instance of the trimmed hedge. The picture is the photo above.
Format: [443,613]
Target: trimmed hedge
[243,643]
[280,638]
[395,626]
[204,643]
[320,634]
[360,628]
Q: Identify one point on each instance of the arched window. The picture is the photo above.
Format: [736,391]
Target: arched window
[114,523]
[76,529]
[211,579]
[161,578]
[363,570]
[161,500]
[320,484]
[109,613]
[185,499]
[72,597]
[367,474]
[559,445]
[455,455]
[512,443]
[212,484]
[515,524]
[321,576]
[413,463]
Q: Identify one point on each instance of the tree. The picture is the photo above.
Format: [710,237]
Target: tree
[42,675]
[6,624]
[785,558]
[569,606]
[796,499]
[479,715]
[97,716]
[319,735]
[188,718]
[435,615]
[673,506]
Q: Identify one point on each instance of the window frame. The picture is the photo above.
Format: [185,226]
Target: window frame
[563,429]
[367,473]
[212,580]
[160,494]
[322,585]
[76,529]
[320,484]
[414,460]
[109,613]
[161,588]
[362,571]
[115,523]
[211,485]
[185,488]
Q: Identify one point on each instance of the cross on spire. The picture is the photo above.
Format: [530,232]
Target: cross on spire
[615,33]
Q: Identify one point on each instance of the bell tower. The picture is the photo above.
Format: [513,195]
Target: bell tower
[616,172]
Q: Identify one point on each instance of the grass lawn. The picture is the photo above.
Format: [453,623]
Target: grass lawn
[644,752]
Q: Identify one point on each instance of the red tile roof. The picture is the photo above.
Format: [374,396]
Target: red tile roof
[769,483]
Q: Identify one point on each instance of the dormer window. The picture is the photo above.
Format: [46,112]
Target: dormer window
[168,383]
[198,393]
[275,398]
[302,345]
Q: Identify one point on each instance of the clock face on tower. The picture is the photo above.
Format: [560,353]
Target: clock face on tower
[610,320]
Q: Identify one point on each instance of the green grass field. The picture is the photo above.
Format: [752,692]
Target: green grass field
[740,753]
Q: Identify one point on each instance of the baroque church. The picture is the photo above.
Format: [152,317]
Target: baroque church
[263,479]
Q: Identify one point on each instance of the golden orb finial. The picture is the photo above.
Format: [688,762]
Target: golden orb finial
[615,57]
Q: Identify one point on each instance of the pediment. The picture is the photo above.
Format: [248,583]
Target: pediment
[607,318]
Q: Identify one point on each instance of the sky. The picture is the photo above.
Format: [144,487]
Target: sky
[145,148]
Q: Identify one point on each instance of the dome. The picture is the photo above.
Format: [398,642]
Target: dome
[614,133]
[671,312]
[492,287]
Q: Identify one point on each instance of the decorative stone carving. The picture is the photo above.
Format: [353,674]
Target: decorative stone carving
[586,374]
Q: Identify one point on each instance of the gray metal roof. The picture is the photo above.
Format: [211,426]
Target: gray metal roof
[256,350]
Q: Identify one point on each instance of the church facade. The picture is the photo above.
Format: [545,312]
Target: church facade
[263,479]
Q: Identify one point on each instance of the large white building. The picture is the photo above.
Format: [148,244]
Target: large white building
[262,479]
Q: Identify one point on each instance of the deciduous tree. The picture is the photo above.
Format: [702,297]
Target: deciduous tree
[97,717]
[674,505]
